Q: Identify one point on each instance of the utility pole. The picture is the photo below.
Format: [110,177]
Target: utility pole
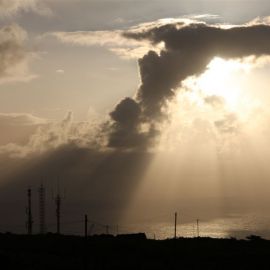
[85,226]
[175,225]
[29,212]
[42,225]
[198,228]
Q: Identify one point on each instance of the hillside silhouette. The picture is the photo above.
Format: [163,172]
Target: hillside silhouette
[133,251]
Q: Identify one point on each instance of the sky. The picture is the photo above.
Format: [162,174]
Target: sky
[135,107]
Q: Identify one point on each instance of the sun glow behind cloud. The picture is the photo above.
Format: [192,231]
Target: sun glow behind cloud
[224,100]
[214,144]
[223,79]
[219,80]
[209,104]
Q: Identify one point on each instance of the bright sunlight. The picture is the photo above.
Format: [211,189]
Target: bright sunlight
[222,80]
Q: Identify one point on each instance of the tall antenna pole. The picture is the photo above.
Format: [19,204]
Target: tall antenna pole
[42,225]
[58,209]
[29,212]
[85,226]
[175,225]
[198,228]
[58,201]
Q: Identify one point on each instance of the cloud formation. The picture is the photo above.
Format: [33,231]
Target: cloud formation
[183,48]
[113,40]
[50,135]
[189,47]
[188,50]
[96,154]
[20,119]
[17,128]
[12,7]
[214,100]
[229,124]
[14,56]
[125,129]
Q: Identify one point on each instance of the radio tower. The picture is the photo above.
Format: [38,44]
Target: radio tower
[42,225]
[29,212]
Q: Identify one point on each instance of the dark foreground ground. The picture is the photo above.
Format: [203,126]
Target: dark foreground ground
[131,252]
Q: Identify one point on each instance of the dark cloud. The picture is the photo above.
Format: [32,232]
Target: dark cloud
[188,50]
[237,41]
[152,91]
[127,113]
[125,129]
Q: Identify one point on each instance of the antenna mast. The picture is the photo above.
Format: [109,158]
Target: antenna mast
[29,212]
[58,209]
[175,225]
[42,224]
[58,202]
[198,228]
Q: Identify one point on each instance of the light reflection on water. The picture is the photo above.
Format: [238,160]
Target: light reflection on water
[233,226]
